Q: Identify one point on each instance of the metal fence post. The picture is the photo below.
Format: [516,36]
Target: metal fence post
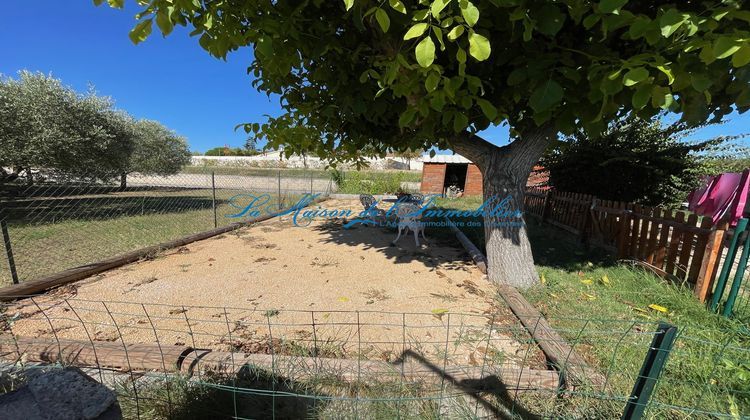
[738,276]
[311,182]
[656,359]
[213,199]
[721,281]
[278,197]
[8,249]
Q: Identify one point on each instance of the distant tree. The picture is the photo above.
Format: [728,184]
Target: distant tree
[409,154]
[635,160]
[157,151]
[730,157]
[230,151]
[46,125]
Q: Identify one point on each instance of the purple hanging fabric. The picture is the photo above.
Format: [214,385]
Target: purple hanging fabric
[723,197]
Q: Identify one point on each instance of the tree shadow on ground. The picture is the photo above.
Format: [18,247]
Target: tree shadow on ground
[437,251]
[250,394]
[553,247]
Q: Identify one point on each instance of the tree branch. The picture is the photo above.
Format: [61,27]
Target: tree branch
[474,148]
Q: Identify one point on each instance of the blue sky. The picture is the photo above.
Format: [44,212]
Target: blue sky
[171,80]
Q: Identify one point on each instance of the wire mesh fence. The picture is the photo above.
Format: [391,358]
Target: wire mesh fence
[172,361]
[57,223]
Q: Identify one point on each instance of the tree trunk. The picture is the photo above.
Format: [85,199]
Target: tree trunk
[505,171]
[123,181]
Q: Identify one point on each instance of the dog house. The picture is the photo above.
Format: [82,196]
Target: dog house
[442,171]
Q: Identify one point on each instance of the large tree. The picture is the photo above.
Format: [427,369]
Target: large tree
[157,150]
[397,75]
[47,125]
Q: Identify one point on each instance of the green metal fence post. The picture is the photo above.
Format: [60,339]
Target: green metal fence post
[656,359]
[8,249]
[738,276]
[721,281]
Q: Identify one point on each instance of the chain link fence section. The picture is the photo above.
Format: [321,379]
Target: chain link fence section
[60,223]
[173,361]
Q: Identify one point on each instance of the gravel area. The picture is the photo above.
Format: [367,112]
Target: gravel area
[278,287]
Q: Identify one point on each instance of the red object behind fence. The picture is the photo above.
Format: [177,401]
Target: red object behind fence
[723,197]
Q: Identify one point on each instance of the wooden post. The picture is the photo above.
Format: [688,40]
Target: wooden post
[546,205]
[622,240]
[588,219]
[710,263]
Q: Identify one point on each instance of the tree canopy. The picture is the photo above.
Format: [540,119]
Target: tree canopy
[415,74]
[46,125]
[633,160]
[368,77]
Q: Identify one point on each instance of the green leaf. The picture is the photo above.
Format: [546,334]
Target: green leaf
[348,4]
[164,23]
[469,12]
[639,26]
[460,121]
[549,20]
[397,6]
[641,96]
[725,47]
[479,47]
[700,82]
[407,117]
[546,96]
[425,52]
[488,109]
[635,76]
[671,22]
[383,20]
[432,81]
[517,76]
[455,32]
[117,4]
[610,6]
[461,55]
[416,31]
[741,57]
[438,6]
[668,72]
[141,31]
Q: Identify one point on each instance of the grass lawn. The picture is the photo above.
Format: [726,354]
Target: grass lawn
[63,234]
[608,312]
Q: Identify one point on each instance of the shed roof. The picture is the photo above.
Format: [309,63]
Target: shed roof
[455,158]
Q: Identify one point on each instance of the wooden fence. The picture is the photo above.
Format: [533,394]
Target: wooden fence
[670,243]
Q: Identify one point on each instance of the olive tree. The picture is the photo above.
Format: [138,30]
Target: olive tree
[400,74]
[157,150]
[46,125]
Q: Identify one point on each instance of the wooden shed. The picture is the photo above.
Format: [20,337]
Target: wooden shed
[441,171]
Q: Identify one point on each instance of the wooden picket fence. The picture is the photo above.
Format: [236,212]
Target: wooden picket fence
[672,244]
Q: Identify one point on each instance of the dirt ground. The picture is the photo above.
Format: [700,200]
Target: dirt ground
[278,287]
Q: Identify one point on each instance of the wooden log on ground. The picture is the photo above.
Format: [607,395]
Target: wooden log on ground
[474,252]
[26,288]
[181,359]
[575,371]
[128,357]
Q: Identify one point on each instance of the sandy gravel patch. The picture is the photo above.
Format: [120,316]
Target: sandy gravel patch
[275,285]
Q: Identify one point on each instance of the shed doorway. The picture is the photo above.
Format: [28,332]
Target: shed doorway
[455,175]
